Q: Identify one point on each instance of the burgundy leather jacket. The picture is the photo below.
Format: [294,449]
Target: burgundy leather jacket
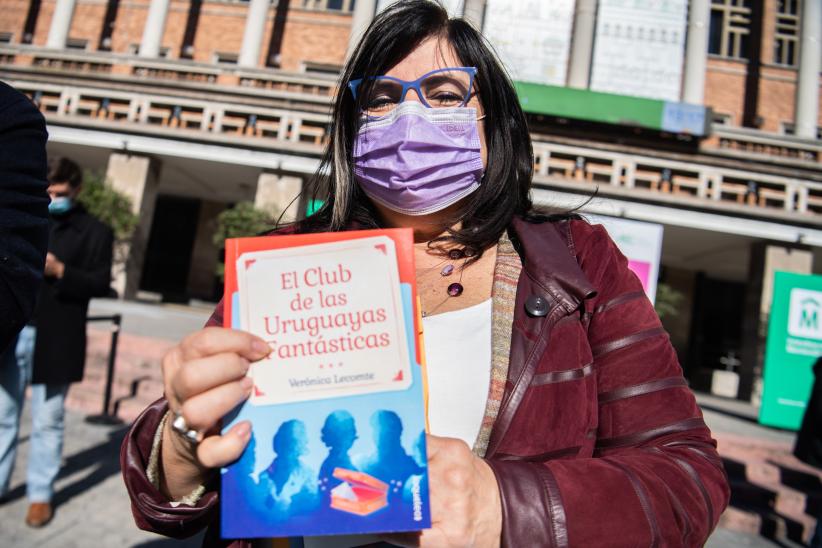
[598,440]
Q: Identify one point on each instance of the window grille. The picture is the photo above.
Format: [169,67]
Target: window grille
[786,37]
[730,28]
[329,5]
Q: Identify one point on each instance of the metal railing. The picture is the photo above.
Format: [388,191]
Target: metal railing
[96,64]
[666,179]
[752,143]
[111,108]
[105,417]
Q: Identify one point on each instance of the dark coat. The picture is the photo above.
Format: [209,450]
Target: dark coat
[808,446]
[598,440]
[84,244]
[23,210]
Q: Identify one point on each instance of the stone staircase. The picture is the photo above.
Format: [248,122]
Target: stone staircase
[773,494]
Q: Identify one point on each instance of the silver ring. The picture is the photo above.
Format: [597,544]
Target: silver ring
[181,428]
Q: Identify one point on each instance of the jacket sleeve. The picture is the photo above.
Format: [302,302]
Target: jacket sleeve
[655,478]
[152,511]
[95,281]
[23,210]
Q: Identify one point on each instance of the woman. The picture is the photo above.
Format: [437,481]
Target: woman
[572,424]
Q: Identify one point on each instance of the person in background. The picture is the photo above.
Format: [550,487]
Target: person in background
[23,215]
[51,350]
[808,447]
[23,240]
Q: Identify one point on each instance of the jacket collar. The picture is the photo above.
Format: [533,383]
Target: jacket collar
[76,218]
[549,260]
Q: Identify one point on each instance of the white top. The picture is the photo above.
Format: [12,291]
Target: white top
[458,357]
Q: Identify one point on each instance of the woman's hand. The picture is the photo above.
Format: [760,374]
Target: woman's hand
[204,378]
[465,502]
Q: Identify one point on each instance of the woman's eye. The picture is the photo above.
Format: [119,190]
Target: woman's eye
[378,103]
[444,98]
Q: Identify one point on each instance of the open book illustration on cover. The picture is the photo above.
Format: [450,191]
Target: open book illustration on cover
[337,409]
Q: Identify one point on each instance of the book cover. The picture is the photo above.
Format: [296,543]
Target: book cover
[337,409]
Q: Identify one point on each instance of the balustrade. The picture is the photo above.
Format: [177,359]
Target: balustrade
[647,177]
[757,192]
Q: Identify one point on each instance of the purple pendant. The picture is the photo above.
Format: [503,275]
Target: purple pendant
[455,289]
[447,270]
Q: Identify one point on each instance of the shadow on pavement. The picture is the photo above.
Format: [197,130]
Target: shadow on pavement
[104,459]
[803,482]
[759,500]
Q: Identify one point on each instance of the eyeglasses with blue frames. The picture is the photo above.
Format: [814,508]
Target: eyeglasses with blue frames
[441,88]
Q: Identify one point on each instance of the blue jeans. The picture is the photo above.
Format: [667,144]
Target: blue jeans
[47,412]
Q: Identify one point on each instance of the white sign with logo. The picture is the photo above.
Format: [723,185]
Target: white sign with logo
[805,322]
[640,47]
[532,37]
[804,315]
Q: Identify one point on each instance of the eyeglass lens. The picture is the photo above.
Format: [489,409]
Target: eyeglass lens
[439,90]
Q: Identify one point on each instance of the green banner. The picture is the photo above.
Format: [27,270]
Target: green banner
[794,343]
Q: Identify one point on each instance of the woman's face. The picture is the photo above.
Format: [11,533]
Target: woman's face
[432,54]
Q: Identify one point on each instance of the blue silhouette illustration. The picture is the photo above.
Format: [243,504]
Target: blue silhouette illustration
[339,433]
[239,483]
[390,463]
[290,485]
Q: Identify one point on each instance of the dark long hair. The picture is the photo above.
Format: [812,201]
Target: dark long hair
[504,189]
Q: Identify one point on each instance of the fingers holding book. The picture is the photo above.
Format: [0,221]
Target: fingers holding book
[204,378]
[465,502]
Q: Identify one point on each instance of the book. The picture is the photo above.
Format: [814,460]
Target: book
[338,407]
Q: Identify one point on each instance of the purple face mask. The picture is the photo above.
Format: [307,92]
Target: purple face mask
[418,160]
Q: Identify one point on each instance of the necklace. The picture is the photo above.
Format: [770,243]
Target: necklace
[454,289]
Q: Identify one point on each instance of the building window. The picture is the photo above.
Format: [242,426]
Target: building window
[6,37]
[76,43]
[329,5]
[224,57]
[786,38]
[730,28]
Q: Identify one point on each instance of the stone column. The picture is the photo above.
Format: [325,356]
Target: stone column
[807,86]
[364,11]
[766,258]
[137,177]
[278,193]
[154,29]
[696,52]
[253,35]
[60,24]
[474,13]
[582,46]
